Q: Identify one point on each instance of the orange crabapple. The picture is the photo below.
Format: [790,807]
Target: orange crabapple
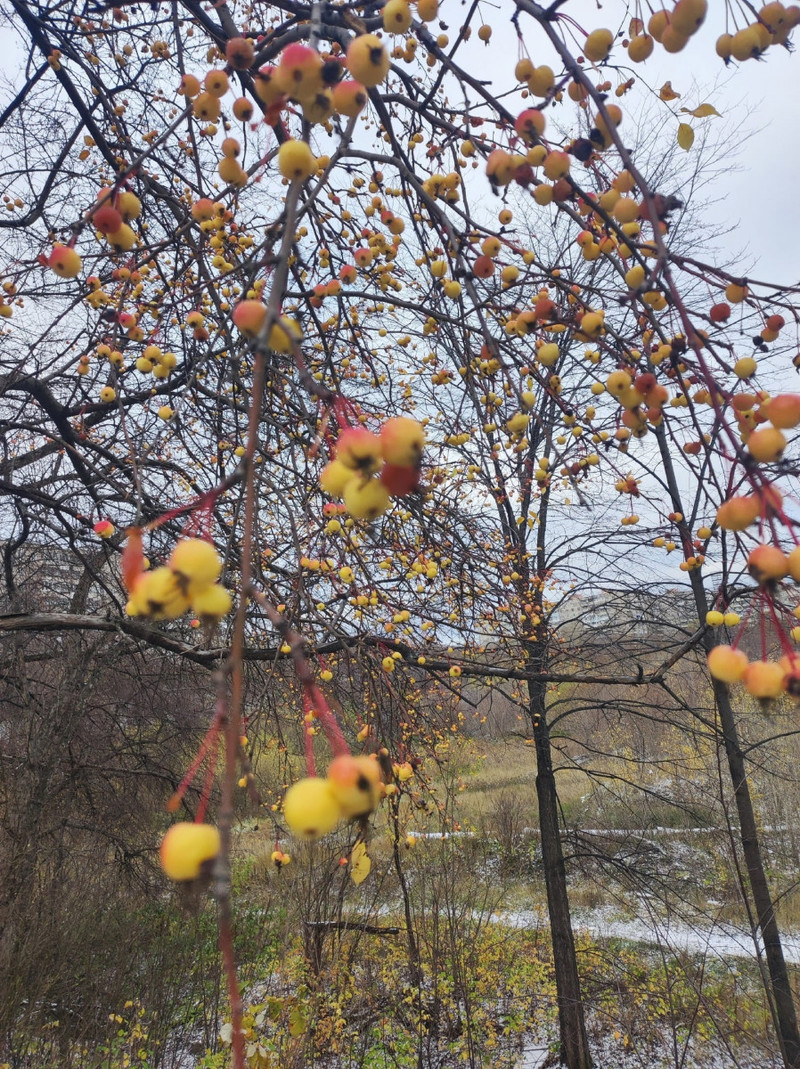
[737,513]
[203,209]
[240,53]
[187,849]
[349,98]
[783,411]
[400,481]
[355,783]
[360,450]
[106,219]
[249,316]
[764,679]
[311,809]
[231,173]
[530,125]
[767,564]
[189,86]
[243,109]
[402,440]
[206,107]
[216,83]
[727,664]
[104,528]
[64,261]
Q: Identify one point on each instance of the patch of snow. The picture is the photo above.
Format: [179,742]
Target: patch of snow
[721,940]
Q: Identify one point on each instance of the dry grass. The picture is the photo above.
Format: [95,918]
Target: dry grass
[497,772]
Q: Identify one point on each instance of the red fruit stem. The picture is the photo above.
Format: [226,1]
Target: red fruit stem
[211,736]
[742,625]
[209,779]
[330,725]
[784,639]
[204,501]
[762,625]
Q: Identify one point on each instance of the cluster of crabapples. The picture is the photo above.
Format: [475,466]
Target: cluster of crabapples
[302,76]
[187,581]
[673,28]
[352,788]
[369,469]
[110,220]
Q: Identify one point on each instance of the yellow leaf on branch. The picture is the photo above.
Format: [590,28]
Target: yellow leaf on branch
[685,136]
[702,111]
[360,863]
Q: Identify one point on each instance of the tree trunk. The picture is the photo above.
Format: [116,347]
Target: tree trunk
[779,991]
[574,1041]
[783,1003]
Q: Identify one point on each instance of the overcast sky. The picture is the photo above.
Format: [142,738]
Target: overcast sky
[757,101]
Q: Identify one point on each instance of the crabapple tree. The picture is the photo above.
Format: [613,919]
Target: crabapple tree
[323,322]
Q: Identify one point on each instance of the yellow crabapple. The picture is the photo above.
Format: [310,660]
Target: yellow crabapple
[187,848]
[212,602]
[195,563]
[334,477]
[123,239]
[793,560]
[311,809]
[158,594]
[598,45]
[366,498]
[296,161]
[367,60]
[766,444]
[396,16]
